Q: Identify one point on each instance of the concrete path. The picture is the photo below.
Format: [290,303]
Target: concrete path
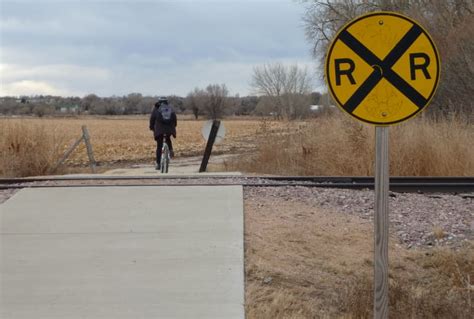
[174,171]
[122,252]
[178,166]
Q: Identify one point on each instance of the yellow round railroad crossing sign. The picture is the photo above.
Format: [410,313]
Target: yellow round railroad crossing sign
[382,68]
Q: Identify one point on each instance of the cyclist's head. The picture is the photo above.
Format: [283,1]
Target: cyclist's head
[163,100]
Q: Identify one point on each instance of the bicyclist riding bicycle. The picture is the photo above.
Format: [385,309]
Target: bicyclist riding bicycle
[163,122]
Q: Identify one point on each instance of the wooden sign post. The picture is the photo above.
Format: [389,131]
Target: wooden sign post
[209,145]
[381,222]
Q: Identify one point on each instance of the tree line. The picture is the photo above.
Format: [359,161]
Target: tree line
[280,91]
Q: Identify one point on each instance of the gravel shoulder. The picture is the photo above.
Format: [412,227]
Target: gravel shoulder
[415,219]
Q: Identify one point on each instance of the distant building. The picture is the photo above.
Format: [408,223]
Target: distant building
[316,108]
[69,109]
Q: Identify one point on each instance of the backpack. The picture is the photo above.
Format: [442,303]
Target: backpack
[165,114]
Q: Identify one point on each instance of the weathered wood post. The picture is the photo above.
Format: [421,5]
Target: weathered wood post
[90,153]
[68,152]
[381,222]
[210,143]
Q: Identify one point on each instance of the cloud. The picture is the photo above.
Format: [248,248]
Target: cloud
[181,79]
[169,47]
[26,87]
[57,79]
[55,72]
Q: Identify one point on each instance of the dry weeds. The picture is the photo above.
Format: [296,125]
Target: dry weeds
[116,139]
[305,262]
[28,149]
[338,145]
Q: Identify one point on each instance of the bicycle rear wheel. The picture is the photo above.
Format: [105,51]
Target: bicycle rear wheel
[165,158]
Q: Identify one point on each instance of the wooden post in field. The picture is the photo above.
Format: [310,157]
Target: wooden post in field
[381,223]
[85,136]
[90,153]
[210,143]
[68,152]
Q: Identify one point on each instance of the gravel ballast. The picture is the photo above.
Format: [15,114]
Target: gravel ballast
[416,219]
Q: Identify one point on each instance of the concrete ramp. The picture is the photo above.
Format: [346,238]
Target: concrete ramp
[122,252]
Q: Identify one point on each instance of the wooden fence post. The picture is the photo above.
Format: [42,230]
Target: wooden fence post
[85,136]
[68,152]
[90,153]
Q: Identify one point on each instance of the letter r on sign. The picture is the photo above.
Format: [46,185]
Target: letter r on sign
[414,57]
[346,71]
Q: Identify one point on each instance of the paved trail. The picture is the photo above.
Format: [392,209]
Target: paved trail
[122,252]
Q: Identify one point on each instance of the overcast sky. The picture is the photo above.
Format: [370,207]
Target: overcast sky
[69,47]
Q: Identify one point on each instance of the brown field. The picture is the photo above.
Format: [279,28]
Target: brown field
[118,139]
[323,146]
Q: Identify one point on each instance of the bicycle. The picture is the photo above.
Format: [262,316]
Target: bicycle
[165,156]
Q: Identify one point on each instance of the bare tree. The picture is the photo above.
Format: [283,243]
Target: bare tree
[131,103]
[177,102]
[324,18]
[450,23]
[8,105]
[287,88]
[42,109]
[216,100]
[195,102]
[88,101]
[146,104]
[246,105]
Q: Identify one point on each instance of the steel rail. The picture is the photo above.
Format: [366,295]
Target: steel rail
[314,179]
[427,188]
[397,184]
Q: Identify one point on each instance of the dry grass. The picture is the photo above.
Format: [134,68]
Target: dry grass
[304,262]
[119,139]
[338,145]
[304,253]
[441,287]
[28,149]
[438,233]
[335,145]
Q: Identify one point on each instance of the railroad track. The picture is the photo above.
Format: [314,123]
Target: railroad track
[397,184]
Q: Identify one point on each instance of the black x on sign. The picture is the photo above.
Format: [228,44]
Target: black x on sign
[382,68]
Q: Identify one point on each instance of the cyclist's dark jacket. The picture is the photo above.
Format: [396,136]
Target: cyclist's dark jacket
[160,128]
